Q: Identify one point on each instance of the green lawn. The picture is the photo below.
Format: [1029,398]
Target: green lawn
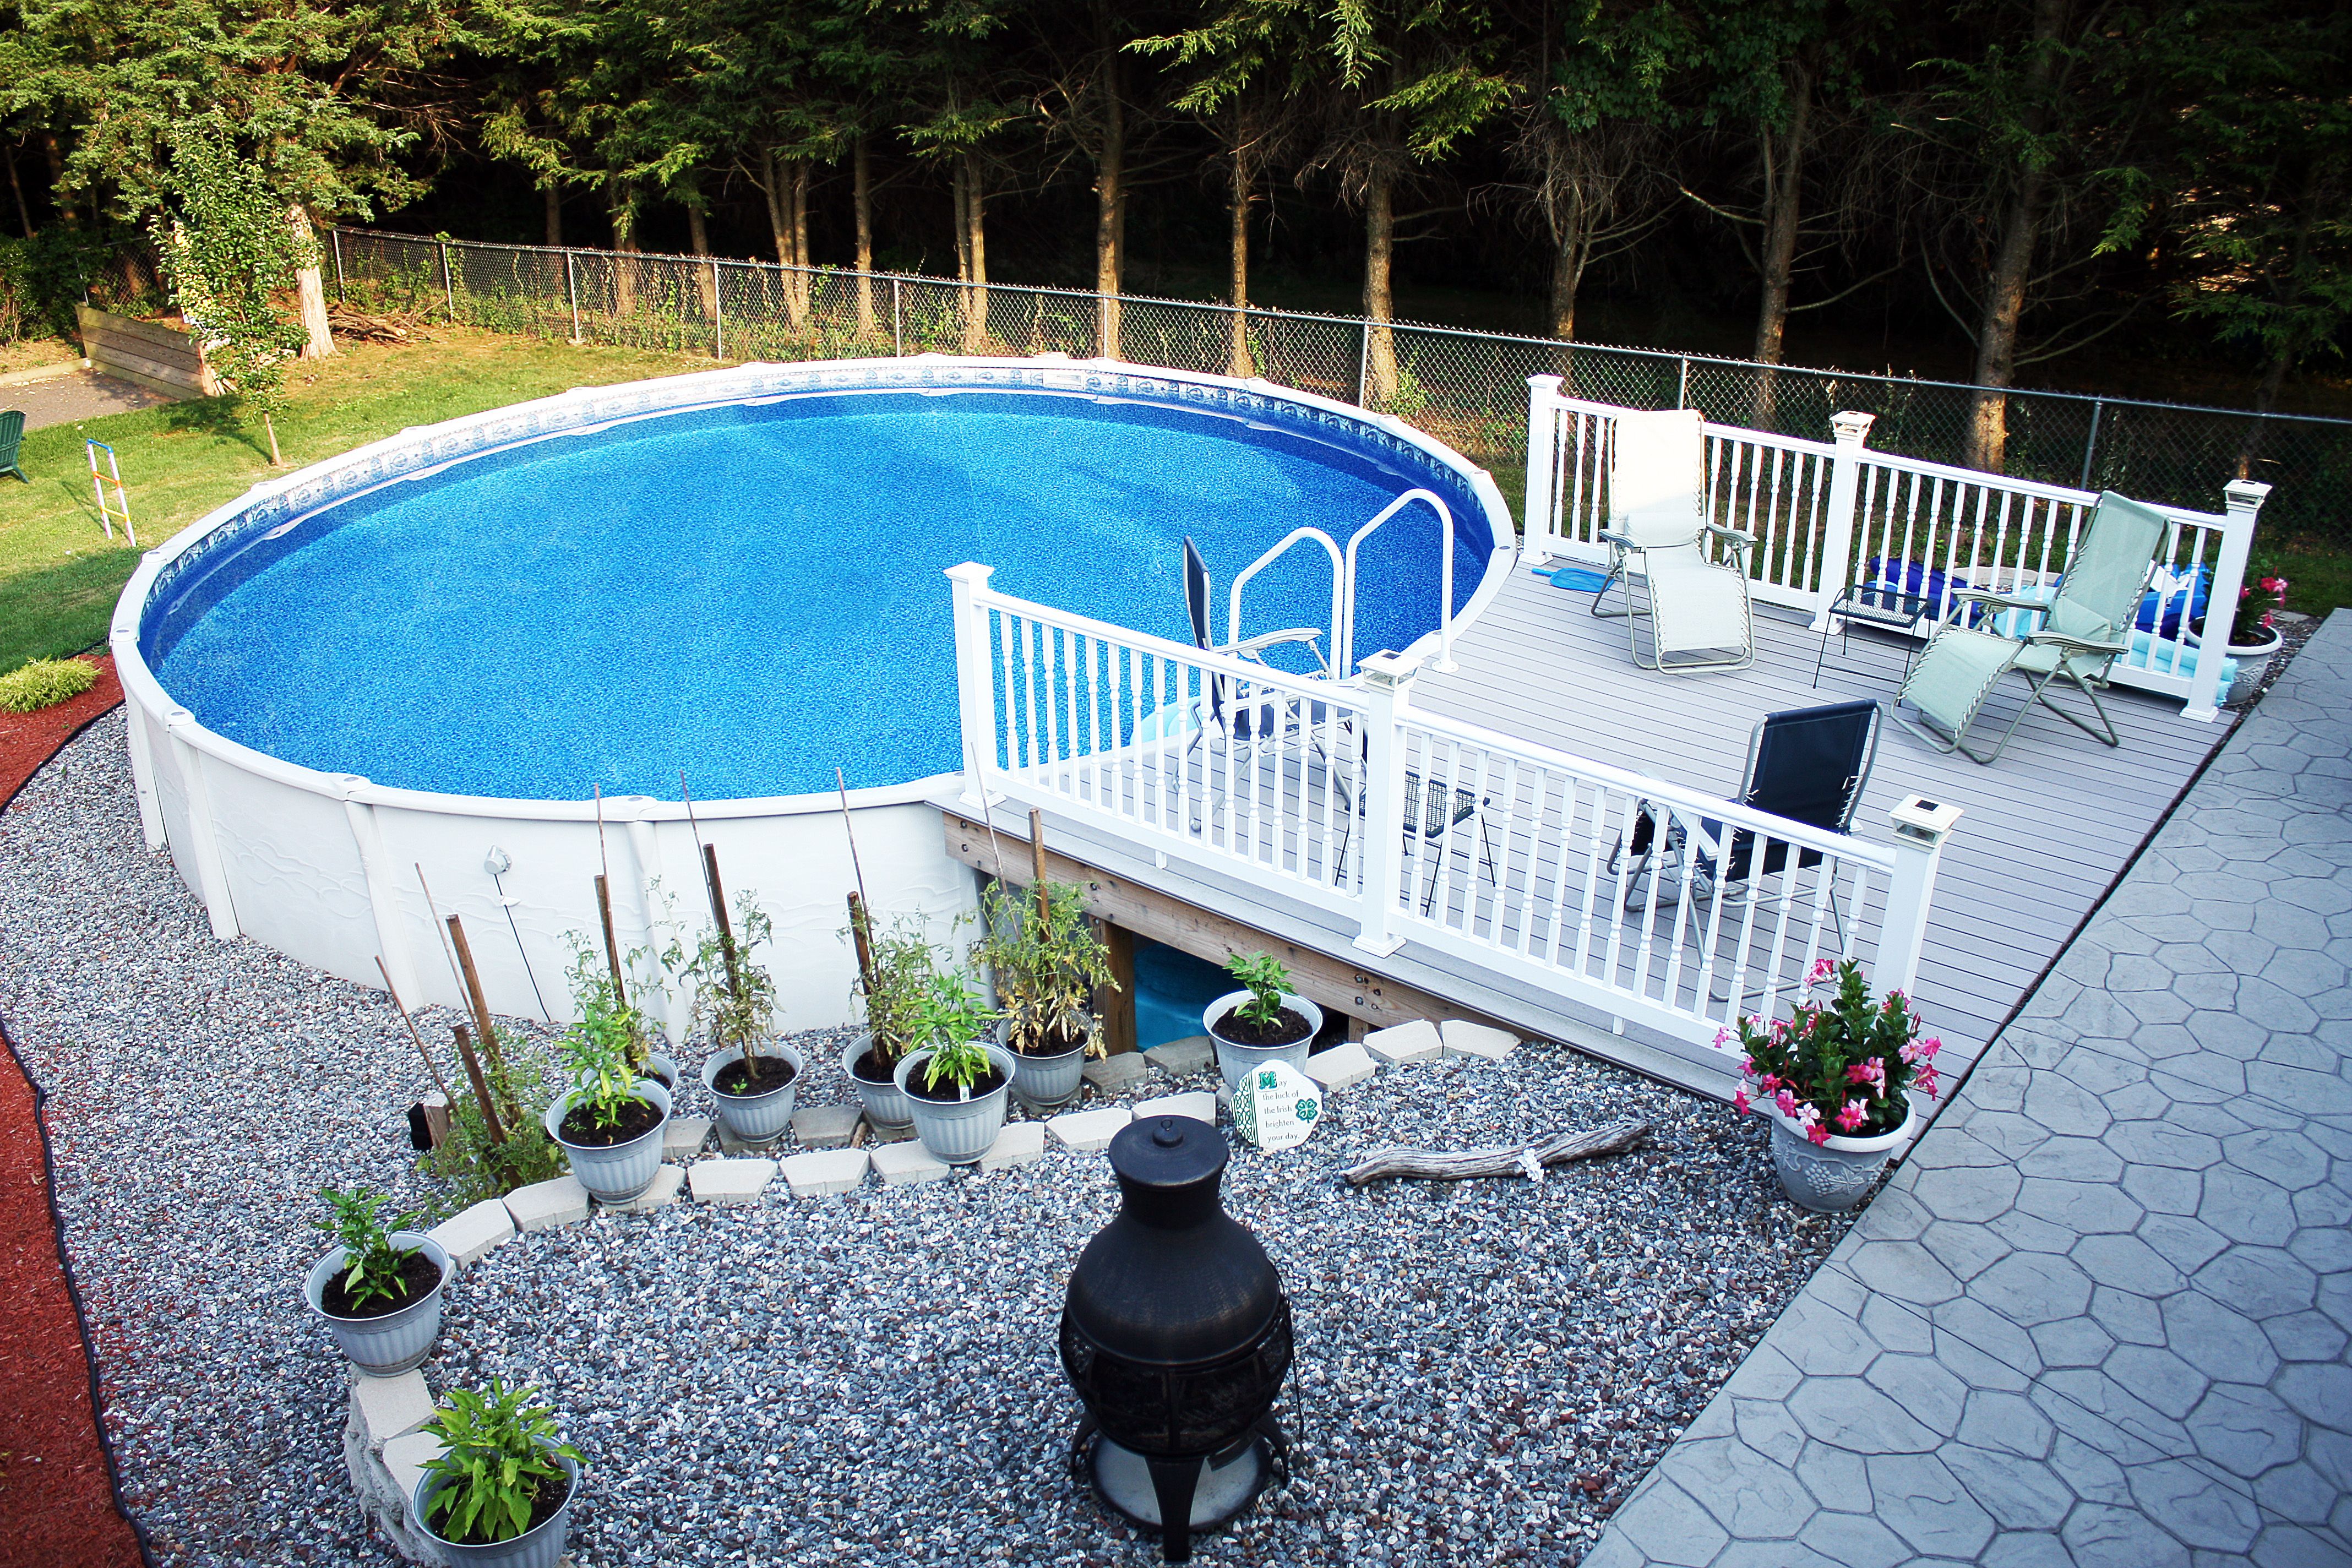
[59,575]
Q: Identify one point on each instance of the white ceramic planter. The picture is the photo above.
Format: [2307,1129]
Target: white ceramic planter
[1235,1060]
[1829,1178]
[382,1347]
[542,1546]
[2253,661]
[1041,1083]
[755,1118]
[613,1173]
[958,1130]
[885,1105]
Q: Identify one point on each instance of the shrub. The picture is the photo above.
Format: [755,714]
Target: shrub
[468,1166]
[44,683]
[498,1450]
[1839,1067]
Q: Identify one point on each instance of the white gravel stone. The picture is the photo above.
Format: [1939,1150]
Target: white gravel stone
[1340,1066]
[668,1181]
[1198,1104]
[826,1126]
[1018,1144]
[907,1164]
[825,1171]
[469,1236]
[1088,1131]
[1180,1057]
[731,1181]
[543,1206]
[1415,1042]
[392,1407]
[1480,1040]
[684,1136]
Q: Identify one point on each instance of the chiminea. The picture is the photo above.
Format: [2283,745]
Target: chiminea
[1177,1336]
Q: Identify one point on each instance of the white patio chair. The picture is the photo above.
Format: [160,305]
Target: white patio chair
[1698,610]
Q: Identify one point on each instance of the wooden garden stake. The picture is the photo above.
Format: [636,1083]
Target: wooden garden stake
[859,936]
[396,1002]
[481,1004]
[612,948]
[719,913]
[1037,869]
[481,1085]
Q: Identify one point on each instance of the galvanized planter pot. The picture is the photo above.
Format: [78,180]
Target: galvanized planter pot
[959,1132]
[1043,1083]
[1235,1060]
[613,1173]
[886,1104]
[1832,1177]
[755,1118]
[542,1546]
[390,1344]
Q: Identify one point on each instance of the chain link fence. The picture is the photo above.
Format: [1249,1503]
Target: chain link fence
[1468,389]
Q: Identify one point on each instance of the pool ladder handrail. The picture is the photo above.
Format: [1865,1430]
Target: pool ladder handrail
[1343,582]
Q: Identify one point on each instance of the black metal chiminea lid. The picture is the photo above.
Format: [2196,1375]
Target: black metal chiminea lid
[1167,1169]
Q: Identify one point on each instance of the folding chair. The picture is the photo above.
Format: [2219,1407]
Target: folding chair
[2086,626]
[1810,765]
[1698,611]
[12,438]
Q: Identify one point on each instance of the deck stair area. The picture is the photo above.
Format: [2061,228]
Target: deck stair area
[1252,805]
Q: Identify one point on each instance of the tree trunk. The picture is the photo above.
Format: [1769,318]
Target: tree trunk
[862,200]
[1110,209]
[625,241]
[975,323]
[797,284]
[57,180]
[1784,188]
[554,197]
[698,240]
[1239,359]
[2004,302]
[1380,303]
[310,291]
[23,212]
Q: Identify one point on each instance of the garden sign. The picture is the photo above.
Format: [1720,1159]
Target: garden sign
[1277,1106]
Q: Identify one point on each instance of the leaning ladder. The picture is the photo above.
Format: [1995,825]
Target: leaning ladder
[110,507]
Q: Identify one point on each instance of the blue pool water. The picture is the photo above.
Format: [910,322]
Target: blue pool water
[753,592]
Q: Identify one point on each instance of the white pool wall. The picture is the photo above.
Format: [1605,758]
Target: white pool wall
[331,869]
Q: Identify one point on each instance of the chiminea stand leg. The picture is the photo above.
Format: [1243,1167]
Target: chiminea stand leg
[1174,1482]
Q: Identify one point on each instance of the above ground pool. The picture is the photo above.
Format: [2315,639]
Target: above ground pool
[750,593]
[474,659]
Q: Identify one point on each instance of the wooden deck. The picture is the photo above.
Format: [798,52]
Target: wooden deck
[2048,827]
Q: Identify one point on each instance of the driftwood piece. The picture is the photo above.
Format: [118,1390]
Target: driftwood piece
[1517,1159]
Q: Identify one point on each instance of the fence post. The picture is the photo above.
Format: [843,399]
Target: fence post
[1837,525]
[898,323]
[1543,450]
[2090,442]
[449,287]
[975,677]
[1363,364]
[338,235]
[717,312]
[571,295]
[1921,825]
[2241,502]
[1681,387]
[1388,694]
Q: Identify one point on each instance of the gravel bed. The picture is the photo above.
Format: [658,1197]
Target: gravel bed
[1485,1368]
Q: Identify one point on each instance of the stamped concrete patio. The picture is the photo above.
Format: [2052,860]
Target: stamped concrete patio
[2099,1318]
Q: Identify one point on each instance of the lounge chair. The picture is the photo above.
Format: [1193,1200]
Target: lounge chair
[1698,611]
[2086,625]
[11,437]
[1430,814]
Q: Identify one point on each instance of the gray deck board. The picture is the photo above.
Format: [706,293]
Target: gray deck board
[2047,827]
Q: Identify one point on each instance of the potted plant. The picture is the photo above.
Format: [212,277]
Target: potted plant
[598,998]
[611,1122]
[1264,1022]
[2254,629]
[1835,1080]
[1046,962]
[500,1489]
[379,1291]
[956,1086]
[752,1076]
[896,995]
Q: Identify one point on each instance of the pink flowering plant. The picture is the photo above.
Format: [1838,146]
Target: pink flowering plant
[2256,605]
[1838,1067]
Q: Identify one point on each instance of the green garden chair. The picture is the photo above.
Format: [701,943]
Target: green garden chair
[12,435]
[2084,627]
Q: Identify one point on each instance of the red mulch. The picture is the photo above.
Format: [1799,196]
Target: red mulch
[56,1505]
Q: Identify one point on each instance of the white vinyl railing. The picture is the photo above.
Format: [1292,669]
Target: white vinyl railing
[1495,852]
[1827,514]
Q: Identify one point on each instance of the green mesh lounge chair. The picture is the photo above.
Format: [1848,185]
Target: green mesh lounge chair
[12,435]
[2084,627]
[1698,611]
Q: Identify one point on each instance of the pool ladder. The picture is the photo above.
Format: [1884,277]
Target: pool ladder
[1343,581]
